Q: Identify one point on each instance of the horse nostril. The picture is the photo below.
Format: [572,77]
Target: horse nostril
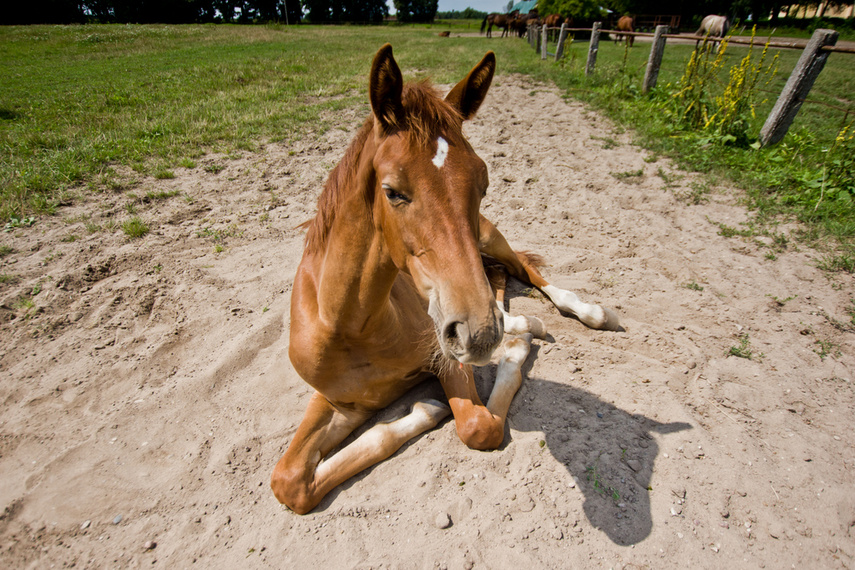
[450,333]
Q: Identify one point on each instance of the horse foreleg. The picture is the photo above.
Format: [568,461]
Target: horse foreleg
[301,480]
[479,426]
[493,244]
[513,324]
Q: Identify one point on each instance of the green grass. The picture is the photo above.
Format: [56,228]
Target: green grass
[78,101]
[806,178]
[135,228]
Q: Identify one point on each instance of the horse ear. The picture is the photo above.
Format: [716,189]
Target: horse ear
[468,95]
[384,90]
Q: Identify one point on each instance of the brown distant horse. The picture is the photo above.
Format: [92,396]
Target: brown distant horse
[625,24]
[503,21]
[553,21]
[392,288]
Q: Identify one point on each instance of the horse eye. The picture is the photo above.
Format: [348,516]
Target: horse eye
[394,196]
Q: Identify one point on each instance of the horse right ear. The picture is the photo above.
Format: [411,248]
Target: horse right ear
[468,95]
[384,90]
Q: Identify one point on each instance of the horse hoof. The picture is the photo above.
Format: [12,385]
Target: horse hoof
[537,328]
[612,321]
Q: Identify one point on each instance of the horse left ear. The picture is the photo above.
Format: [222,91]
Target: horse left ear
[468,95]
[385,86]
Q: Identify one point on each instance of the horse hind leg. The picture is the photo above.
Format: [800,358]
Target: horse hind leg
[524,268]
[303,477]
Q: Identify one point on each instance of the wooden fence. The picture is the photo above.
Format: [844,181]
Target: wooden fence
[813,58]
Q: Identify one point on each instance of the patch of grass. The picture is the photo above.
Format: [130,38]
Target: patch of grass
[728,231]
[164,174]
[744,349]
[692,285]
[842,262]
[187,163]
[592,474]
[218,235]
[16,222]
[8,278]
[629,176]
[135,228]
[608,142]
[160,195]
[826,348]
[69,238]
[6,250]
[698,193]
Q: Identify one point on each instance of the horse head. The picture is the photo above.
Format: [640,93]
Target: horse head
[427,193]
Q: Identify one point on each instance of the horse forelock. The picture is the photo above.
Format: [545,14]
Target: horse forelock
[426,117]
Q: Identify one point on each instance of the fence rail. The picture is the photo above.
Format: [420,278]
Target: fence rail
[815,52]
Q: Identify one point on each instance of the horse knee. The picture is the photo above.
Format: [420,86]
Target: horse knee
[481,431]
[291,487]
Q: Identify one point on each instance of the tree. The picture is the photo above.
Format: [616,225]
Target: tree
[416,10]
[579,9]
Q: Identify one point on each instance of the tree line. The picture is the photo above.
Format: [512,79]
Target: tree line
[214,11]
[740,10]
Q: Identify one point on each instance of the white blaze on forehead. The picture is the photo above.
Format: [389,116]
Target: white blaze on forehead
[441,152]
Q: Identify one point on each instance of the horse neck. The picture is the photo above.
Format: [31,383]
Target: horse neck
[356,271]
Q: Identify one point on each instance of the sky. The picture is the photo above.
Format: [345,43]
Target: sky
[459,5]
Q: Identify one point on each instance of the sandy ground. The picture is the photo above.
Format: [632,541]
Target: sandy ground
[148,393]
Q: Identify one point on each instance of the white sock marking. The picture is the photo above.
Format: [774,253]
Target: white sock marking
[441,152]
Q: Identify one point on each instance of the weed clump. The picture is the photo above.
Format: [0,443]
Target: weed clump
[135,228]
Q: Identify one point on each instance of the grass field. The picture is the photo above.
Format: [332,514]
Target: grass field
[76,102]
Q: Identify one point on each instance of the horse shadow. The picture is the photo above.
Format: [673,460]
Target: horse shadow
[609,452]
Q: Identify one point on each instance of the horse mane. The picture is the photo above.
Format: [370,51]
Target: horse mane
[426,116]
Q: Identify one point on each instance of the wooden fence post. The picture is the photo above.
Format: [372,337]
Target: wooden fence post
[543,40]
[797,88]
[559,51]
[655,59]
[593,48]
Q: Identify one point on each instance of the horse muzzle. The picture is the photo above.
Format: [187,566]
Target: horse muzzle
[471,340]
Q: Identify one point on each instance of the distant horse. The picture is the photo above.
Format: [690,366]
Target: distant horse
[713,26]
[500,21]
[402,280]
[553,21]
[625,24]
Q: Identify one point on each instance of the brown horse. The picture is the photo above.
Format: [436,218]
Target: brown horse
[625,25]
[553,21]
[392,288]
[503,21]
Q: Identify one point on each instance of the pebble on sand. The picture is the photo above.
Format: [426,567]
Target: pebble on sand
[442,520]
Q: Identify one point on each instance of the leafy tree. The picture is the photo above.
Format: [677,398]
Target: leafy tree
[467,14]
[416,10]
[579,9]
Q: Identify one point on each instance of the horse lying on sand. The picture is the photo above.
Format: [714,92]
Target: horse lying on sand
[403,280]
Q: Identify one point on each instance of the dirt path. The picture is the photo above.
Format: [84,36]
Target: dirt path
[148,394]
